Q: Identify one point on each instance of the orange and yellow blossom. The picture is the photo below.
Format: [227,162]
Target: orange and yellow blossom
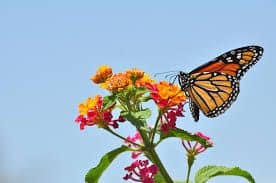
[89,104]
[144,81]
[117,82]
[103,73]
[135,74]
[170,100]
[120,81]
[166,94]
[92,112]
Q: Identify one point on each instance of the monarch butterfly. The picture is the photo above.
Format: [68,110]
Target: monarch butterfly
[214,86]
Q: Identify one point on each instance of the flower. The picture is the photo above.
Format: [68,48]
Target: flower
[90,104]
[169,117]
[134,139]
[170,100]
[135,74]
[117,82]
[103,73]
[196,148]
[166,94]
[92,112]
[200,134]
[144,81]
[141,171]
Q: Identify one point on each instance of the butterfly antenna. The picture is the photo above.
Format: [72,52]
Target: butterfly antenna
[169,75]
[172,78]
[162,73]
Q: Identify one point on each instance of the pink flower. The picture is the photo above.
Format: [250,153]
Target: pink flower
[169,117]
[202,136]
[136,138]
[196,148]
[141,171]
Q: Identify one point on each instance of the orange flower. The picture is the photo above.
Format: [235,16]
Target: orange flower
[143,81]
[103,73]
[135,74]
[166,94]
[117,82]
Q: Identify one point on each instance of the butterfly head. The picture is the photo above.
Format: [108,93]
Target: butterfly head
[183,80]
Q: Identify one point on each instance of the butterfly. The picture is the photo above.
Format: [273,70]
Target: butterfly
[214,86]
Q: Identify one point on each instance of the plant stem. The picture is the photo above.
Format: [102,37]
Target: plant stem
[190,162]
[155,127]
[121,137]
[188,174]
[152,155]
[156,160]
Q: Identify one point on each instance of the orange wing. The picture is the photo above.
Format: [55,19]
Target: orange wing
[234,63]
[212,92]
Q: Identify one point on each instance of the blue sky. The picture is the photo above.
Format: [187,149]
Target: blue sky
[49,49]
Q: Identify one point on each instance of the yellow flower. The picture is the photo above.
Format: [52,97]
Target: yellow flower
[83,109]
[103,73]
[90,103]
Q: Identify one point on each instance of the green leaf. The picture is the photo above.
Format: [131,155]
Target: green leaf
[108,101]
[137,118]
[140,91]
[95,173]
[175,181]
[142,115]
[145,98]
[184,135]
[208,172]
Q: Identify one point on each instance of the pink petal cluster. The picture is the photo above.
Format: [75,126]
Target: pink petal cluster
[169,117]
[136,138]
[141,171]
[196,148]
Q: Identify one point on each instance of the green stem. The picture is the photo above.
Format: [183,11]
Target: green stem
[122,104]
[152,155]
[188,174]
[155,127]
[121,137]
[148,149]
[156,160]
[190,162]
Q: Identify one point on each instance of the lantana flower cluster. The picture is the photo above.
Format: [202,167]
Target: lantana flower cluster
[170,100]
[141,171]
[196,148]
[120,81]
[168,97]
[92,112]
[128,91]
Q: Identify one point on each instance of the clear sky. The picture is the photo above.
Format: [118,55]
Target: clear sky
[49,50]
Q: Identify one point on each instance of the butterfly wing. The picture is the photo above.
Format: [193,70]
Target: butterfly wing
[212,92]
[235,62]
